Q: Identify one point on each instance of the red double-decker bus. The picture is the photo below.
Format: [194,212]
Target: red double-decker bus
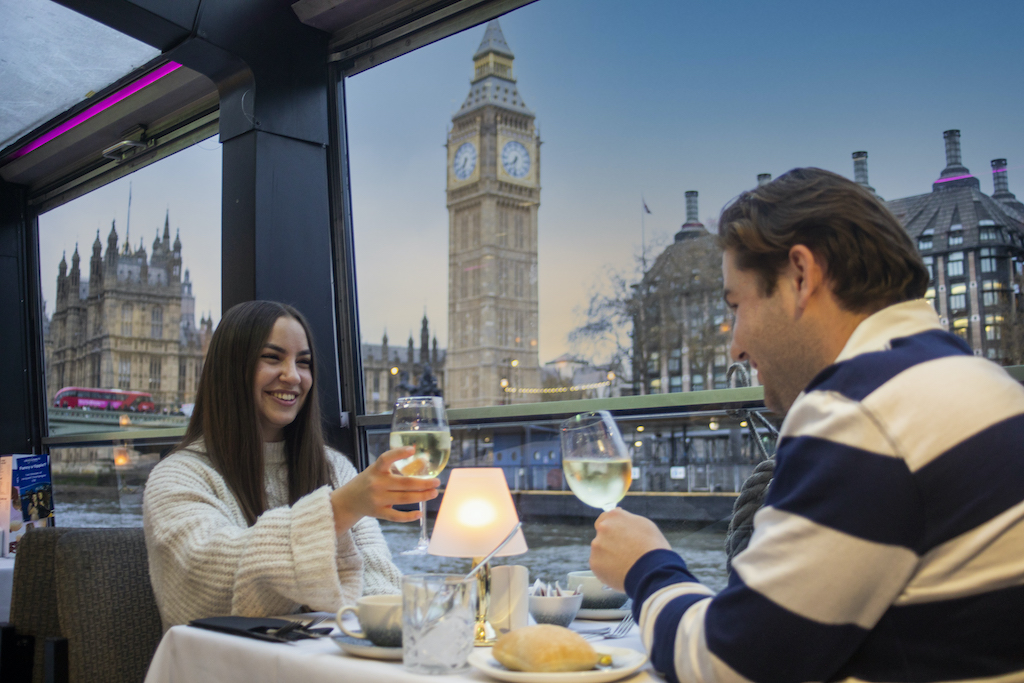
[104,399]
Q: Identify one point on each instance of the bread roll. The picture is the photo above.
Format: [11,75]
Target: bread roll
[545,647]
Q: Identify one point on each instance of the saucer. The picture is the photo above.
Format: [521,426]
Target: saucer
[358,647]
[602,614]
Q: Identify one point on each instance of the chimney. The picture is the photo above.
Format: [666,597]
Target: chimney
[999,179]
[860,171]
[1002,192]
[860,168]
[955,174]
[691,207]
[763,179]
[952,138]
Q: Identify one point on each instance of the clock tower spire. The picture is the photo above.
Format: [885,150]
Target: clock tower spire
[493,198]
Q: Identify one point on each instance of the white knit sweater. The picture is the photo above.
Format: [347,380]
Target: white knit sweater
[205,560]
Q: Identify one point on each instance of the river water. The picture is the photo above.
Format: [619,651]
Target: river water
[555,547]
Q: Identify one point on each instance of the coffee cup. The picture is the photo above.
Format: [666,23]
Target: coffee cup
[380,619]
[596,595]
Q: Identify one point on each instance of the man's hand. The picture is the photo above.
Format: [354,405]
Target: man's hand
[622,539]
[374,490]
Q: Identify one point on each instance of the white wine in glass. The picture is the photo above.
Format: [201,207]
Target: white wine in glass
[420,422]
[595,459]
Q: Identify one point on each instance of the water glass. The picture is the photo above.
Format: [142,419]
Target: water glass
[438,616]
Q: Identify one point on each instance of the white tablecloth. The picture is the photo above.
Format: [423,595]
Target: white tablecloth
[192,655]
[6,581]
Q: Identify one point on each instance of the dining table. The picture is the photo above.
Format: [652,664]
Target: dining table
[187,654]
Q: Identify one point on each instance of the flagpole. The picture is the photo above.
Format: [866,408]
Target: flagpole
[643,240]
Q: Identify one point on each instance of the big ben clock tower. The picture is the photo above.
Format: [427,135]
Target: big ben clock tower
[493,197]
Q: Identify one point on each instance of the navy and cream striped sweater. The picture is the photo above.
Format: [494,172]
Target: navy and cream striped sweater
[891,544]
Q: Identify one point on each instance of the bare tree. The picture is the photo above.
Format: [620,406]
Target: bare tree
[673,309]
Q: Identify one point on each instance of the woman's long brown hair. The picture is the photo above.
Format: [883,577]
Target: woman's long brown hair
[225,416]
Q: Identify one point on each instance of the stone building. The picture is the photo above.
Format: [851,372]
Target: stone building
[973,246]
[681,330]
[385,371]
[131,325]
[493,196]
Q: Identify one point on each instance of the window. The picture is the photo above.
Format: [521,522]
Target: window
[956,234]
[156,266]
[126,320]
[987,234]
[993,327]
[958,298]
[654,363]
[961,327]
[929,263]
[955,267]
[924,242]
[993,293]
[675,383]
[929,295]
[988,262]
[155,370]
[156,330]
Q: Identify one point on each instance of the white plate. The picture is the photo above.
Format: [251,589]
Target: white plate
[364,648]
[602,614]
[624,663]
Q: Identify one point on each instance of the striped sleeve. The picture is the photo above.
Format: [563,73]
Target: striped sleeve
[830,552]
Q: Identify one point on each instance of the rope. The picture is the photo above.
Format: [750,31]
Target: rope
[755,488]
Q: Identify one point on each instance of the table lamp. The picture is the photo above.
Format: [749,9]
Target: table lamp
[476,514]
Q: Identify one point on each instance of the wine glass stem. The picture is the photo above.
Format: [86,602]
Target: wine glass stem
[424,541]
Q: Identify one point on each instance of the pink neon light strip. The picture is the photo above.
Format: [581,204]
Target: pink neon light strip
[956,177]
[107,103]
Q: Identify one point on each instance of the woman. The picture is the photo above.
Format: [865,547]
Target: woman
[251,514]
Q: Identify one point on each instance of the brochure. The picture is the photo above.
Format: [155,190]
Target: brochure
[31,496]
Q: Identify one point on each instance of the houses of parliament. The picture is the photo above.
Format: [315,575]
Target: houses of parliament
[131,325]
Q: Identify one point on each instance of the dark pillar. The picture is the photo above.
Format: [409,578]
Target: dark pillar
[22,409]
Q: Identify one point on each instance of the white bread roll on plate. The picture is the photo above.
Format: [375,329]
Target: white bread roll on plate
[545,647]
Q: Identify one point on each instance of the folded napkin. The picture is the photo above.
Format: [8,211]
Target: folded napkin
[261,628]
[539,588]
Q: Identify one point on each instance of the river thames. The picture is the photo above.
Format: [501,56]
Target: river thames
[555,547]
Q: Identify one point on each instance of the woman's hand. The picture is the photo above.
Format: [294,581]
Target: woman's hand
[374,491]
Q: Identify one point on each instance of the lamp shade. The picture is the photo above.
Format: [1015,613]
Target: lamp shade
[476,515]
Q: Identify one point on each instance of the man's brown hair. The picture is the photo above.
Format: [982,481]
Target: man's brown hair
[870,260]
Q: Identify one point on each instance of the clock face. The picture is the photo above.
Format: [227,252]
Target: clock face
[516,159]
[464,161]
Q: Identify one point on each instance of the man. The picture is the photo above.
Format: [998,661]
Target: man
[891,543]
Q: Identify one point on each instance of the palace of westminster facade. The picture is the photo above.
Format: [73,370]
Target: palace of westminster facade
[131,325]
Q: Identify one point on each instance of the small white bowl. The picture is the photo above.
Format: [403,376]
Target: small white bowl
[595,594]
[559,610]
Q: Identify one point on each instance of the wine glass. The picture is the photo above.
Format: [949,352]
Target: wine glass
[420,421]
[596,462]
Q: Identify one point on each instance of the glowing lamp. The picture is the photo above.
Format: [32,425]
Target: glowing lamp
[476,514]
[121,457]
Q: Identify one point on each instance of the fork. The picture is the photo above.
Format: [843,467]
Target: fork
[623,628]
[315,621]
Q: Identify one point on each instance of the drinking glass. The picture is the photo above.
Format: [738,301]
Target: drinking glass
[596,462]
[420,421]
[438,618]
